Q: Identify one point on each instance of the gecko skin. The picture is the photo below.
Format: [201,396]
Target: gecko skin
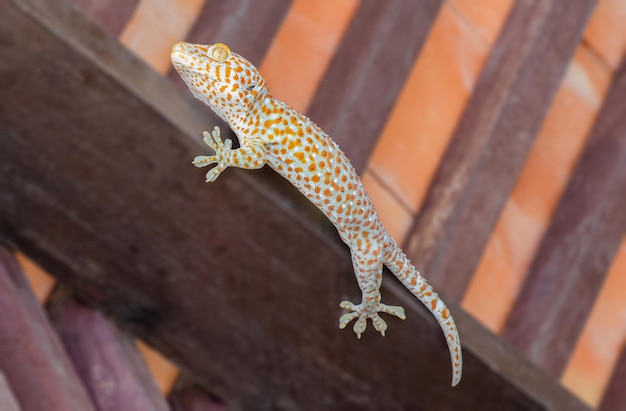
[270,132]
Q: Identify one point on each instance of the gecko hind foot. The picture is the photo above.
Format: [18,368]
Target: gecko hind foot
[362,314]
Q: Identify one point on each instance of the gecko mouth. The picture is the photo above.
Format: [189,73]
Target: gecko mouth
[182,57]
[178,54]
[178,47]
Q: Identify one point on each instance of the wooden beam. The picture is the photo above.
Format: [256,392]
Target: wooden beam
[614,398]
[110,15]
[368,71]
[232,281]
[190,396]
[8,402]
[31,357]
[578,248]
[248,27]
[106,360]
[492,140]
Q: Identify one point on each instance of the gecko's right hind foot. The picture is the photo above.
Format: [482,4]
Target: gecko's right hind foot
[362,314]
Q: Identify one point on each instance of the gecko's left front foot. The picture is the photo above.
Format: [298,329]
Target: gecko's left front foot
[362,314]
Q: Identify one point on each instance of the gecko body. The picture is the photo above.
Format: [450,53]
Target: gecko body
[271,132]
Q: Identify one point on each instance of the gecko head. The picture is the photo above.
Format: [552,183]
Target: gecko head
[223,80]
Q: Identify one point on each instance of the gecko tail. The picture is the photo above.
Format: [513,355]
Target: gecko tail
[401,267]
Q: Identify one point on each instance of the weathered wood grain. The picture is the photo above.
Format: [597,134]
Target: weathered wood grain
[231,280]
[367,73]
[189,396]
[111,15]
[614,398]
[31,357]
[107,360]
[247,26]
[576,252]
[491,142]
[8,402]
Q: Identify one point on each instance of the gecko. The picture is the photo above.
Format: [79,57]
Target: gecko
[273,133]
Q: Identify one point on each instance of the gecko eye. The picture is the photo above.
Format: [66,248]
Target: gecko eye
[220,52]
[250,87]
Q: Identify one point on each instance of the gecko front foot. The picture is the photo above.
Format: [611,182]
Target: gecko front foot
[362,314]
[222,149]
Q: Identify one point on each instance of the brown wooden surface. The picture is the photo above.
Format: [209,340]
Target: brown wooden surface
[492,140]
[189,396]
[247,26]
[31,356]
[366,75]
[222,278]
[111,15]
[614,398]
[106,360]
[8,402]
[579,246]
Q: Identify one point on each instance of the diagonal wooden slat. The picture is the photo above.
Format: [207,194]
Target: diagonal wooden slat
[32,359]
[492,140]
[189,396]
[614,397]
[230,280]
[368,71]
[8,402]
[106,360]
[247,26]
[578,248]
[111,15]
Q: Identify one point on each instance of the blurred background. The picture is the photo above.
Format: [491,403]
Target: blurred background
[489,133]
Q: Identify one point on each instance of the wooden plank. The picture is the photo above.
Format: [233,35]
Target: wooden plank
[247,26]
[368,71]
[106,360]
[492,140]
[31,356]
[614,398]
[111,15]
[8,402]
[190,396]
[221,278]
[575,253]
